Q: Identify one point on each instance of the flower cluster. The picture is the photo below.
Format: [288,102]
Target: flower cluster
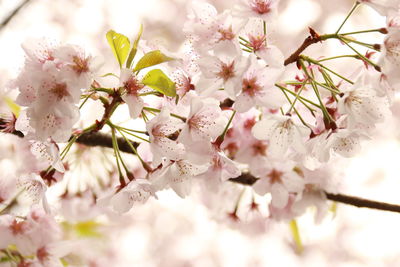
[232,112]
[50,86]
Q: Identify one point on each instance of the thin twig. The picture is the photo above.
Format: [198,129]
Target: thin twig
[13,14]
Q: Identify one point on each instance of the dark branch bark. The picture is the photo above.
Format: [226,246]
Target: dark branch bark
[13,14]
[362,202]
[312,39]
[248,179]
[104,140]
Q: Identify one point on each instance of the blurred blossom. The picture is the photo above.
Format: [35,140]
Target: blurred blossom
[88,217]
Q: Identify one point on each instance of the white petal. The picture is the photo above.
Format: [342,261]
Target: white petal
[280,196]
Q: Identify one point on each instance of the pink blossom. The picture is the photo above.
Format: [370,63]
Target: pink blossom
[207,28]
[204,123]
[132,86]
[224,69]
[162,143]
[50,85]
[33,190]
[362,106]
[280,180]
[282,134]
[49,153]
[264,9]
[258,87]
[78,66]
[137,191]
[177,175]
[383,7]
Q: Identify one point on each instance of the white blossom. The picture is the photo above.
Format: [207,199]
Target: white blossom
[280,180]
[162,143]
[258,87]
[282,134]
[132,86]
[362,106]
[137,191]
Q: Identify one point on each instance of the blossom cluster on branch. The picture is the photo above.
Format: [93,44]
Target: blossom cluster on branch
[223,107]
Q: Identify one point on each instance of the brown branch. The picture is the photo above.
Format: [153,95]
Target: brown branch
[13,14]
[105,140]
[312,39]
[248,179]
[362,202]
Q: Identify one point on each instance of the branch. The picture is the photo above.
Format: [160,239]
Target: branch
[312,39]
[362,202]
[13,14]
[104,140]
[248,179]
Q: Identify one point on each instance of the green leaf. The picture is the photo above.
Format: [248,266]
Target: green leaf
[134,48]
[110,74]
[119,44]
[152,58]
[160,82]
[83,229]
[13,106]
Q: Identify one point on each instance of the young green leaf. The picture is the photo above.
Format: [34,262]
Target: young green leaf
[132,54]
[12,105]
[119,44]
[152,58]
[160,82]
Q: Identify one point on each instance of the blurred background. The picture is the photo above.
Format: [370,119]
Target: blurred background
[182,232]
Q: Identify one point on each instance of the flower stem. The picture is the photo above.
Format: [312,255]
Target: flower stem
[133,148]
[300,97]
[86,99]
[317,94]
[295,110]
[116,153]
[362,56]
[159,110]
[134,135]
[349,40]
[348,16]
[227,125]
[296,235]
[336,57]
[380,30]
[308,59]
[297,96]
